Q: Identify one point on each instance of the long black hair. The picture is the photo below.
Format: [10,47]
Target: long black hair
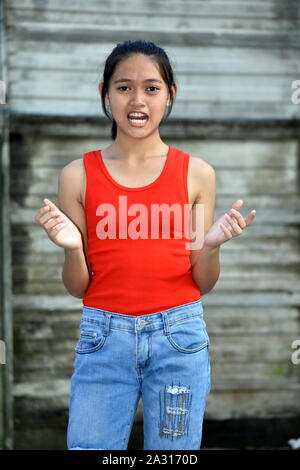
[124,50]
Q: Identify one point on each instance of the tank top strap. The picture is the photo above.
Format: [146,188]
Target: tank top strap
[177,173]
[91,168]
[89,160]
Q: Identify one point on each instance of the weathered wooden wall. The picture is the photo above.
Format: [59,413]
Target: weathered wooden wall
[6,320]
[233,60]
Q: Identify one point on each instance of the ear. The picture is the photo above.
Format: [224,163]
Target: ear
[174,90]
[100,87]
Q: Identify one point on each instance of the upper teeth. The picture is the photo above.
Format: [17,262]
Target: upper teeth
[137,114]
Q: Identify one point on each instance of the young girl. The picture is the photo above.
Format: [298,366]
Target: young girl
[129,257]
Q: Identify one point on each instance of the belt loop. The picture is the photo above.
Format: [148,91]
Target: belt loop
[107,324]
[166,323]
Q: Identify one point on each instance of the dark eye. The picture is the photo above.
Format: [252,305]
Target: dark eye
[124,86]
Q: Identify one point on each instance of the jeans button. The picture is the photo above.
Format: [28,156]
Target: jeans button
[142,323]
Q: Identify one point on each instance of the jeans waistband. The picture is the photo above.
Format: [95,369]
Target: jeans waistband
[151,321]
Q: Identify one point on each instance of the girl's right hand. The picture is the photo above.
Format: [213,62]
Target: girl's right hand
[59,228]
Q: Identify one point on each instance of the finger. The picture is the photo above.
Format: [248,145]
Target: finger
[238,216]
[41,212]
[237,204]
[49,215]
[227,223]
[51,224]
[54,219]
[226,231]
[56,225]
[50,204]
[236,228]
[251,217]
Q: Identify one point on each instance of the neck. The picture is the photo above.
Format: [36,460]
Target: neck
[135,150]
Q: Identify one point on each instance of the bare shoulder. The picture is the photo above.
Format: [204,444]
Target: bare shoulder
[74,167]
[200,167]
[73,176]
[203,175]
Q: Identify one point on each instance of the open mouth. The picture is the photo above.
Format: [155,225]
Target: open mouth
[137,119]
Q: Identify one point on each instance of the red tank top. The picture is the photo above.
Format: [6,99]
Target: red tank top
[137,271]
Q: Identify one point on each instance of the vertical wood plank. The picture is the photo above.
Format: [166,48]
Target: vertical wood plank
[6,369]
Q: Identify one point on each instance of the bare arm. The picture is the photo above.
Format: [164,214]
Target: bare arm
[76,274]
[205,262]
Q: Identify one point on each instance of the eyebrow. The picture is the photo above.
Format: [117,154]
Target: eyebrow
[129,80]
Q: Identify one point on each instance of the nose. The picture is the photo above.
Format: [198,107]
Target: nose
[137,98]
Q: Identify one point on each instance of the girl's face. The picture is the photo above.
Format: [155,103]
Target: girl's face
[131,90]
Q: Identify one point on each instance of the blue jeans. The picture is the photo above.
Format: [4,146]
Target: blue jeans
[161,357]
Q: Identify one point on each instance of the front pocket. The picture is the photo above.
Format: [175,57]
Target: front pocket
[189,336]
[89,341]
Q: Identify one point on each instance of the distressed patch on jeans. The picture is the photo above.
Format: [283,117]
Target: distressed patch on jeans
[175,406]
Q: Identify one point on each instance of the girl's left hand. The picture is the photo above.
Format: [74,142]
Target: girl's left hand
[228,226]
